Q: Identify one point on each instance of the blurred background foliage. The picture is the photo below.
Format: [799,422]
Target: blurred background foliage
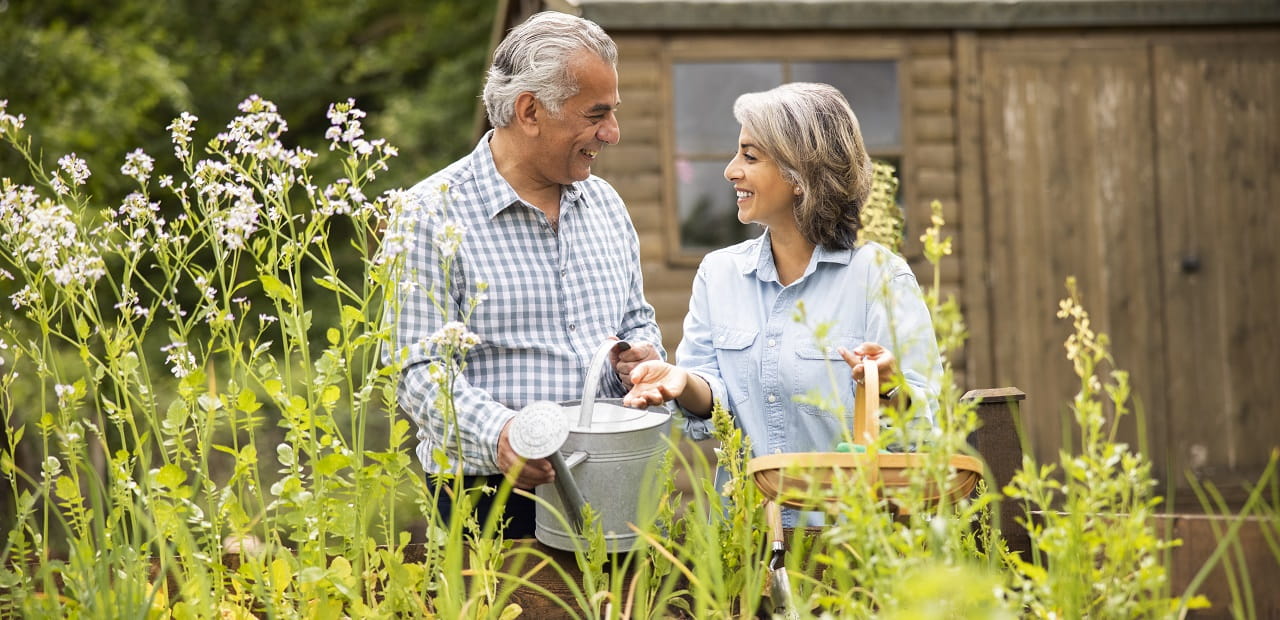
[103,78]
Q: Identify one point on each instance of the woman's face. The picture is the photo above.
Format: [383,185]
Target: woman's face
[764,196]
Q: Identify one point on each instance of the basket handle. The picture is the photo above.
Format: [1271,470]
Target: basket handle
[866,406]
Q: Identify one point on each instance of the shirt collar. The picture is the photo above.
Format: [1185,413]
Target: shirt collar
[759,259]
[495,191]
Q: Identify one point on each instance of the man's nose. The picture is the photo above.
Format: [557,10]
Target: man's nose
[610,132]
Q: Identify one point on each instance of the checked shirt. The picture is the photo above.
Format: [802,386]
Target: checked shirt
[552,299]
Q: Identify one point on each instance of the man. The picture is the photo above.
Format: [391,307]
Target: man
[549,247]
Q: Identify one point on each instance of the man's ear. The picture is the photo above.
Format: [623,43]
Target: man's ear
[528,113]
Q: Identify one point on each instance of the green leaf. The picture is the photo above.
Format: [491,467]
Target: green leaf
[333,336]
[171,476]
[351,315]
[332,464]
[330,396]
[273,387]
[276,289]
[326,283]
[247,401]
[281,575]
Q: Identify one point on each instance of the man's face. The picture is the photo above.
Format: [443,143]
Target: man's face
[587,121]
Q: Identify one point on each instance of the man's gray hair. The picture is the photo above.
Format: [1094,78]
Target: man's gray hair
[534,57]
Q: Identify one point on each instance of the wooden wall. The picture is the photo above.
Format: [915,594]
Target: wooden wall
[1143,162]
[638,166]
[1146,165]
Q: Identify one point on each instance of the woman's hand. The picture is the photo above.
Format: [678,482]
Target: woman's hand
[655,382]
[886,363]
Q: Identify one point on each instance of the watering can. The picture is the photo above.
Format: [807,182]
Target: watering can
[603,454]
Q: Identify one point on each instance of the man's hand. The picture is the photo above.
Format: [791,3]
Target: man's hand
[523,474]
[626,356]
[655,382]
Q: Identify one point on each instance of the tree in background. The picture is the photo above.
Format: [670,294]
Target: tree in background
[103,78]
[100,79]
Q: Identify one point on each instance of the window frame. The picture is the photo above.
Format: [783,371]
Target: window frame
[786,49]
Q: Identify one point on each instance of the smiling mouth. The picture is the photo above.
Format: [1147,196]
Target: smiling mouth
[591,154]
[743,195]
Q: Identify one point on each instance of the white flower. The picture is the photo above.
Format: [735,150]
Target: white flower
[9,122]
[75,168]
[448,237]
[454,336]
[182,360]
[257,132]
[138,165]
[180,130]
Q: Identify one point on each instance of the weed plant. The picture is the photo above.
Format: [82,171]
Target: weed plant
[189,383]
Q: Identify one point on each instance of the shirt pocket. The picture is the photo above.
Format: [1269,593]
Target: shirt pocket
[814,367]
[733,355]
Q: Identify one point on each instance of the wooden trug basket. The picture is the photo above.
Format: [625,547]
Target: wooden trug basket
[805,480]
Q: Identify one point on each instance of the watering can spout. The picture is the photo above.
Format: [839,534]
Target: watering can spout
[538,431]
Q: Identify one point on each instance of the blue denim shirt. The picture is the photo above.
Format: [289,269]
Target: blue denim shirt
[742,337]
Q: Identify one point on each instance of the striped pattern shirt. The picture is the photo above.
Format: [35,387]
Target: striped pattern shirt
[552,298]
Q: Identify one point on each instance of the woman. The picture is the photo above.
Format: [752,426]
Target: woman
[802,172]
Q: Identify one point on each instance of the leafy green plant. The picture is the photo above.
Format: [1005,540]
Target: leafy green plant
[215,458]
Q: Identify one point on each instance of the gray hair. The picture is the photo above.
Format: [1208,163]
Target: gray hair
[535,56]
[813,136]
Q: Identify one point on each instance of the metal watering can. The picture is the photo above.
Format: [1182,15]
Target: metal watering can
[603,453]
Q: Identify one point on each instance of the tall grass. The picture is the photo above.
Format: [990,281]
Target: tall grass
[200,423]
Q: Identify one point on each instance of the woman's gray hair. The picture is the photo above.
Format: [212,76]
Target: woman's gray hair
[813,136]
[535,56]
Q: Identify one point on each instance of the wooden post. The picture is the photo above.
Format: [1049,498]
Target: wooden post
[997,440]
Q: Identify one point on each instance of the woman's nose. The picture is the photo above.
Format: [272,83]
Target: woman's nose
[732,171]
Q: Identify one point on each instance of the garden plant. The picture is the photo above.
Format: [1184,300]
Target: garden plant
[199,412]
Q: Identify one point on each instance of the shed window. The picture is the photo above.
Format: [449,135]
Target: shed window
[706,133]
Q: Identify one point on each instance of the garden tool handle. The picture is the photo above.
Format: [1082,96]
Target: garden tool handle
[866,406]
[773,515]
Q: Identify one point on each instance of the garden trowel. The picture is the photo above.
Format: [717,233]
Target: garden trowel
[779,584]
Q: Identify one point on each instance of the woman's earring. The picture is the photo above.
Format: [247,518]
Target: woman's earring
[797,191]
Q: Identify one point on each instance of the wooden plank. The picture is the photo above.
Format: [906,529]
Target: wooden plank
[933,128]
[1067,138]
[971,244]
[931,71]
[1200,536]
[820,46]
[1218,118]
[925,45]
[939,155]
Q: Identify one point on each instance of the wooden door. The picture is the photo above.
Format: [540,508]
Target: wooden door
[1068,182]
[1217,113]
[1148,166]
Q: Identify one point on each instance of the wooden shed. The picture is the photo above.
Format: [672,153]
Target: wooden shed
[1134,144]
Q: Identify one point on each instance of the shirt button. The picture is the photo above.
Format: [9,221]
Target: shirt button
[773,342]
[564,272]
[773,398]
[573,326]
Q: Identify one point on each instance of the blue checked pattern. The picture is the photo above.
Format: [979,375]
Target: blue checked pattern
[552,299]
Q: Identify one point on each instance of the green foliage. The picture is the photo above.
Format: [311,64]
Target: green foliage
[882,220]
[129,456]
[100,78]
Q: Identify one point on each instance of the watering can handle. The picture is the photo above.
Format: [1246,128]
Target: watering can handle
[590,384]
[866,406]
